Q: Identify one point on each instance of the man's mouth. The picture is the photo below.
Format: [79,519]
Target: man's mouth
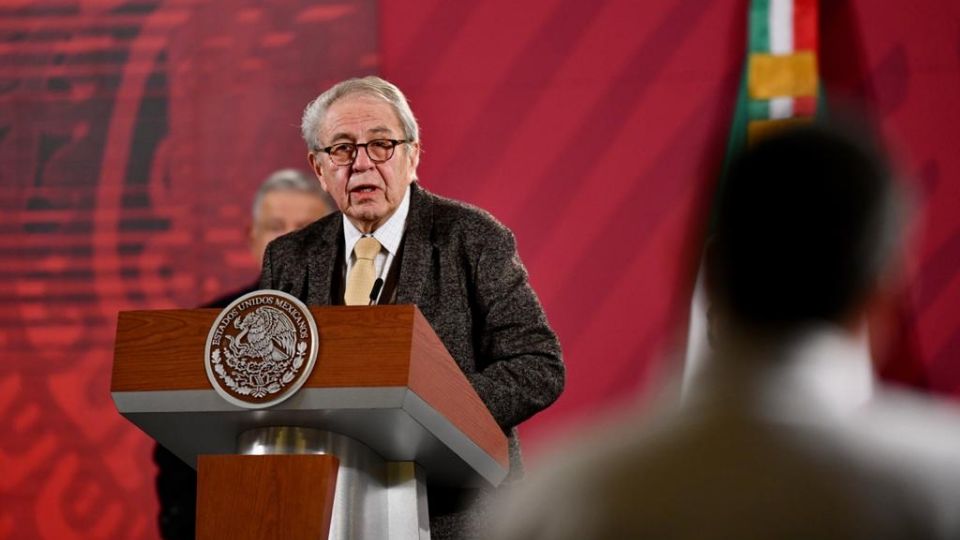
[365,188]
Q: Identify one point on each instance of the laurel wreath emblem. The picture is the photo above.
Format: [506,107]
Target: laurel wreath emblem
[246,381]
[263,358]
[261,349]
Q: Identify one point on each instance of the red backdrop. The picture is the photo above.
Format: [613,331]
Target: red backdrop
[133,134]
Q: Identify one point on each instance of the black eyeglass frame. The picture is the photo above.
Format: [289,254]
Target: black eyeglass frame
[356,150]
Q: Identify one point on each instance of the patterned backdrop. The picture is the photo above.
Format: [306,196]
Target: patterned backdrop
[132,135]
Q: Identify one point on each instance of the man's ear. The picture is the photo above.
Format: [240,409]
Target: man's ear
[314,161]
[414,156]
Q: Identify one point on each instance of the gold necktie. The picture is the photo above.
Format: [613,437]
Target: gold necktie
[363,274]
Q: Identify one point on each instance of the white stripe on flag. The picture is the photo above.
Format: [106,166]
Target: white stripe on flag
[781,107]
[781,26]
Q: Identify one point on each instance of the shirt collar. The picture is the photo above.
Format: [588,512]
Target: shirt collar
[822,372]
[389,234]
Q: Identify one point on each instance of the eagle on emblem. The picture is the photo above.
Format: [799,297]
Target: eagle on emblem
[267,333]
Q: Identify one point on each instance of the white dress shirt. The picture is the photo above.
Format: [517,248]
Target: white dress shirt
[389,235]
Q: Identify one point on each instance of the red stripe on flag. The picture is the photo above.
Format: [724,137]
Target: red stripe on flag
[805,25]
[804,105]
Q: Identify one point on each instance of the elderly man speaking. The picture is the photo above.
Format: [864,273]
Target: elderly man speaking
[457,263]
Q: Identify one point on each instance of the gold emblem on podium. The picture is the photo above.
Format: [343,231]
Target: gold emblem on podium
[261,349]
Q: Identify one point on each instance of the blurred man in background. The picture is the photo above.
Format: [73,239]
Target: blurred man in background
[287,200]
[785,434]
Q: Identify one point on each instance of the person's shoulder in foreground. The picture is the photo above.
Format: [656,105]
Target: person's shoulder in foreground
[767,445]
[891,471]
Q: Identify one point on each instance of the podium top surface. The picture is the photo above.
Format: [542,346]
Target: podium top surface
[382,375]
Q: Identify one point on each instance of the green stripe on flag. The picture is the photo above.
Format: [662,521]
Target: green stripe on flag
[736,142]
[822,111]
[759,26]
[758,109]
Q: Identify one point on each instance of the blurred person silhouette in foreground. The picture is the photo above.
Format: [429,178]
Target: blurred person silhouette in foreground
[785,433]
[288,200]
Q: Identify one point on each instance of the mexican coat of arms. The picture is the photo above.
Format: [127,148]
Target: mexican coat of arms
[261,349]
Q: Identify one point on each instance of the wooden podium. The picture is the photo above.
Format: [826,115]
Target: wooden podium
[385,410]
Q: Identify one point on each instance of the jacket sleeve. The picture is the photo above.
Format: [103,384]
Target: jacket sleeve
[519,366]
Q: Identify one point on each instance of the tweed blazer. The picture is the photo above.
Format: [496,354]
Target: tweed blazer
[460,266]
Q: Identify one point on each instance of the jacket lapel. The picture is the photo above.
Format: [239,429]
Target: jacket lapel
[417,247]
[321,264]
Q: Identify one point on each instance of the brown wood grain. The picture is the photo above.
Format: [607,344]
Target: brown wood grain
[161,349]
[360,346]
[265,497]
[436,378]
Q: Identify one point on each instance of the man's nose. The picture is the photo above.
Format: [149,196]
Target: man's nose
[362,161]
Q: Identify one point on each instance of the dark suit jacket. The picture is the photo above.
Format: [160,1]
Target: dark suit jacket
[460,266]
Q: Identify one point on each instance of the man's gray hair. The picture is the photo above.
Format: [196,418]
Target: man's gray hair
[316,110]
[290,180]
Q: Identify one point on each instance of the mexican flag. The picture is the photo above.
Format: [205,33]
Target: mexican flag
[780,87]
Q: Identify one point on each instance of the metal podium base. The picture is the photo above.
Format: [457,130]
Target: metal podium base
[374,499]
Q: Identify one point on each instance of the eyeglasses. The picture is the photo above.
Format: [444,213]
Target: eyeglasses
[378,150]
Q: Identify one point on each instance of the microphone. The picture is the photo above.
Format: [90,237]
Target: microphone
[375,292]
